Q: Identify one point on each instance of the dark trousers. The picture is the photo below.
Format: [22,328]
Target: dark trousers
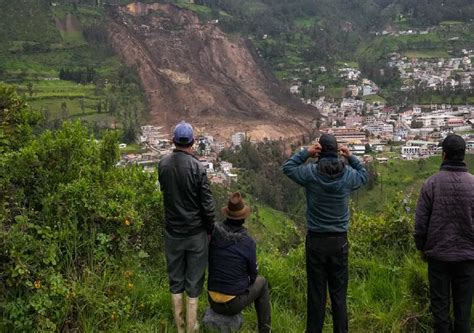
[327,266]
[186,261]
[258,294]
[446,278]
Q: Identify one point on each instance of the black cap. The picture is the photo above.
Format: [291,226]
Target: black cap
[328,143]
[454,147]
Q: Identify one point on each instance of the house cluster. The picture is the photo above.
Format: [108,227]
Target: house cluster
[349,74]
[354,113]
[357,86]
[408,32]
[365,88]
[451,73]
[154,145]
[360,125]
[370,127]
[425,127]
[438,118]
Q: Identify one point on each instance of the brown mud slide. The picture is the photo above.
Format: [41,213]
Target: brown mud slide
[192,70]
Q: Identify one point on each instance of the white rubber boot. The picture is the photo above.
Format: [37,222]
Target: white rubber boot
[178,311]
[192,324]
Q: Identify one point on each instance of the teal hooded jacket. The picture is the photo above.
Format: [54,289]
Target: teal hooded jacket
[328,183]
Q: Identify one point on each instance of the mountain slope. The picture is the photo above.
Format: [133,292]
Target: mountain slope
[190,69]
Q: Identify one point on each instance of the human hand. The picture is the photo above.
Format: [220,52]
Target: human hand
[345,152]
[314,150]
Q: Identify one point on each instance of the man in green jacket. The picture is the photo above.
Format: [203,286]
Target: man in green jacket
[328,183]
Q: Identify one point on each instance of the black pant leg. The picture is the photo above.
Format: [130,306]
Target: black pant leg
[338,277]
[317,286]
[175,254]
[440,285]
[257,293]
[196,263]
[462,285]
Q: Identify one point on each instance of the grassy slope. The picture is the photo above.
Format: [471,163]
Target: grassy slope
[388,286]
[61,49]
[399,176]
[27,21]
[432,45]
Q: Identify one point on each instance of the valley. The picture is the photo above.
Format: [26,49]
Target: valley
[90,91]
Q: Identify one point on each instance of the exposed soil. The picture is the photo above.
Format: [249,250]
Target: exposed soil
[192,70]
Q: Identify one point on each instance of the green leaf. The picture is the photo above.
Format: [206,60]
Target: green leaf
[142,254]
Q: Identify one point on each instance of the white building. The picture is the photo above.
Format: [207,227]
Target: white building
[218,146]
[357,149]
[295,89]
[411,150]
[379,128]
[226,166]
[418,148]
[367,90]
[238,138]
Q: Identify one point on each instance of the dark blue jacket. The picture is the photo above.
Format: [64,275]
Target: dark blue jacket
[232,260]
[328,184]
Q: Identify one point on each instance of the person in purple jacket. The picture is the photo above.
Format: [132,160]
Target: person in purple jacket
[233,281]
[444,233]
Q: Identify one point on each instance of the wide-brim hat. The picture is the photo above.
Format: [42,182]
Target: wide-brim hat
[236,209]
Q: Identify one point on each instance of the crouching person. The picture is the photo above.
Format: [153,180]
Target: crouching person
[233,281]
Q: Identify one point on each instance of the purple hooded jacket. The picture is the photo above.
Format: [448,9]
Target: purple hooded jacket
[444,228]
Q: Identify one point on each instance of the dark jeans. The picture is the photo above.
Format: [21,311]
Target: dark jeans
[446,278]
[186,260]
[258,294]
[327,266]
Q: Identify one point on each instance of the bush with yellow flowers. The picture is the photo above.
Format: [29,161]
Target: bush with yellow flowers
[68,216]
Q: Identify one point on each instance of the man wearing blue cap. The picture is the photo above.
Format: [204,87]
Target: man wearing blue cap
[189,219]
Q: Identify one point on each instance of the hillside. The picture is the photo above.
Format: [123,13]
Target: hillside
[82,244]
[60,61]
[298,37]
[212,79]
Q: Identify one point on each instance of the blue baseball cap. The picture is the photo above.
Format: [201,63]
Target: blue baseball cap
[183,134]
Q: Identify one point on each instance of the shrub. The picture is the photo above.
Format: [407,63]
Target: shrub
[392,229]
[67,215]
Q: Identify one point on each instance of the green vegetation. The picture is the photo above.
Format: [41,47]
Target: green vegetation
[202,11]
[76,42]
[296,35]
[131,149]
[71,228]
[426,54]
[398,176]
[31,21]
[374,99]
[451,23]
[82,246]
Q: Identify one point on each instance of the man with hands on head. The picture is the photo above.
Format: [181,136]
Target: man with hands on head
[328,182]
